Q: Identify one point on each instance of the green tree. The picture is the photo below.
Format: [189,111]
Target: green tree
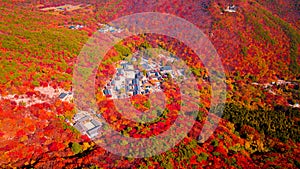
[76,148]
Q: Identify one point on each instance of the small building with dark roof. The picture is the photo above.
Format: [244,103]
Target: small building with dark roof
[63,95]
[107,92]
[135,81]
[135,92]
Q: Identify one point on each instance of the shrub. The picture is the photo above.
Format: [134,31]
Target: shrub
[202,156]
[76,148]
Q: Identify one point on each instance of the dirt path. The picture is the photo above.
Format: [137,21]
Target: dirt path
[48,93]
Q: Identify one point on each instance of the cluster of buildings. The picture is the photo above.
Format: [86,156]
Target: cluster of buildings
[268,87]
[108,28]
[278,82]
[231,8]
[76,26]
[138,75]
[143,78]
[62,8]
[87,122]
